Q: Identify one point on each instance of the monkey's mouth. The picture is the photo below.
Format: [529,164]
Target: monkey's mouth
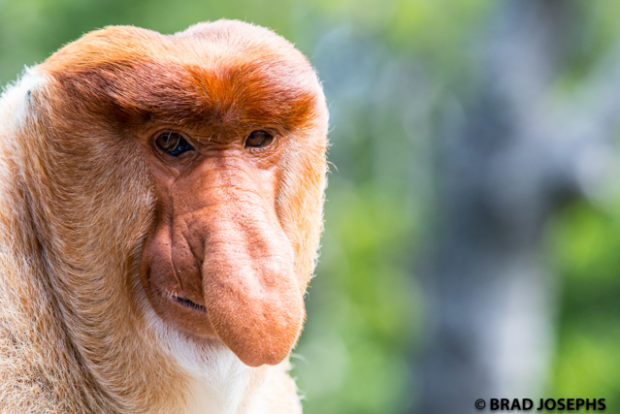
[182,300]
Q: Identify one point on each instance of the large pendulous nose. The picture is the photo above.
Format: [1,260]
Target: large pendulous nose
[249,286]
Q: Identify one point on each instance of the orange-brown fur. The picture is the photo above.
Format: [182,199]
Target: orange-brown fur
[82,196]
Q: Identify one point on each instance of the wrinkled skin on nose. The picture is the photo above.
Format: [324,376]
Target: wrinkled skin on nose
[218,243]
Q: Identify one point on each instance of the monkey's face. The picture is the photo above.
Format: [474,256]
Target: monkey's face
[229,125]
[218,261]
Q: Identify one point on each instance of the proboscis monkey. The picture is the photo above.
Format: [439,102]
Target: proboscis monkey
[160,212]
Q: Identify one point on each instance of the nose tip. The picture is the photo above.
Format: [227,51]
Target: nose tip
[254,305]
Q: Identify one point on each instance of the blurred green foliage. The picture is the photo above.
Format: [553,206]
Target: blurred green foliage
[585,242]
[365,306]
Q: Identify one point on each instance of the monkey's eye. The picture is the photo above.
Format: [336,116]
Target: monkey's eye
[172,143]
[258,139]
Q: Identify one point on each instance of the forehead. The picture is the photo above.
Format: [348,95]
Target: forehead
[226,73]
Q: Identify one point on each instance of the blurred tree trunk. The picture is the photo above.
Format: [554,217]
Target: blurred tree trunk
[506,161]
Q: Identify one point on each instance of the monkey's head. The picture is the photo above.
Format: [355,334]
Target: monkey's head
[200,157]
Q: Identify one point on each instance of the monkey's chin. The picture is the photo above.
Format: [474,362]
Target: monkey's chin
[198,354]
